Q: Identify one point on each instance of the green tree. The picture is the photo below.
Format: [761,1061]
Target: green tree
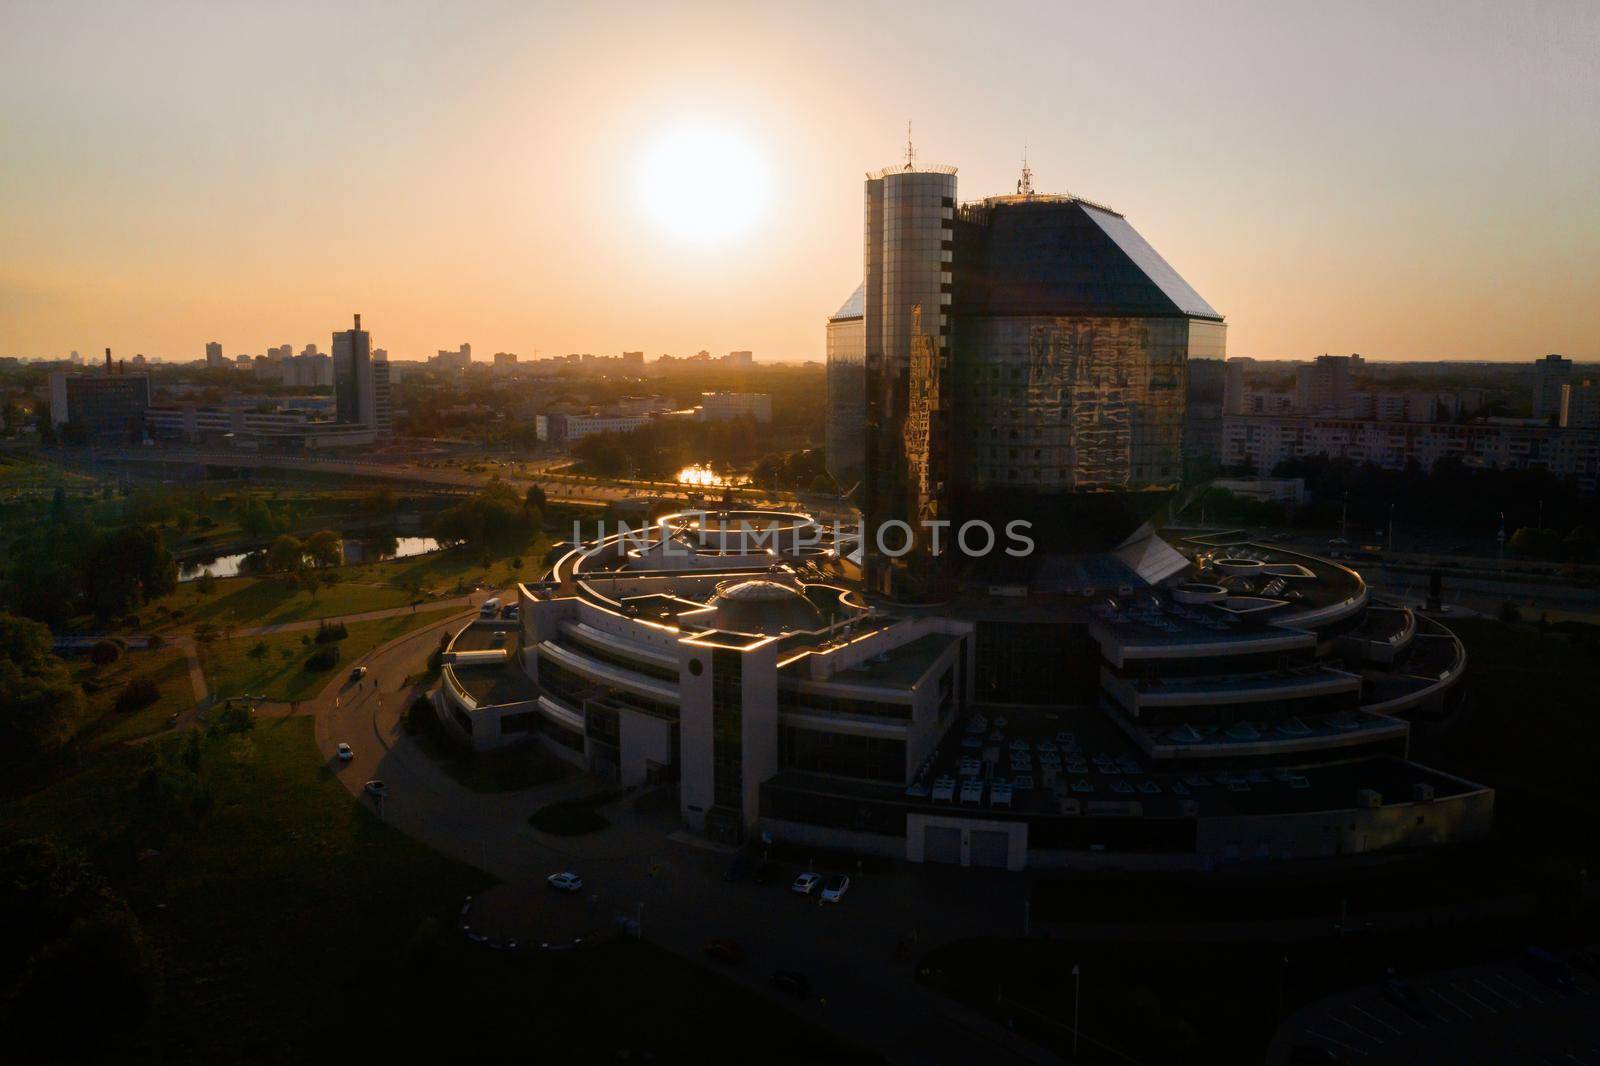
[37,694]
[286,555]
[323,547]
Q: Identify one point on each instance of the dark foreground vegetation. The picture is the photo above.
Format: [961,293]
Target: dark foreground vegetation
[220,897]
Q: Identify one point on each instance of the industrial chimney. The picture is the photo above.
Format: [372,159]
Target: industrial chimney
[358,322]
[108,360]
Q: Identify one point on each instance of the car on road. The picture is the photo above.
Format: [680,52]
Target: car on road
[806,883]
[728,952]
[509,611]
[377,788]
[346,753]
[1337,542]
[834,890]
[358,673]
[565,881]
[498,640]
[792,983]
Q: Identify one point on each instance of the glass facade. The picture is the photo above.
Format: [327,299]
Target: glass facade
[842,754]
[1016,351]
[846,439]
[727,733]
[1063,405]
[909,242]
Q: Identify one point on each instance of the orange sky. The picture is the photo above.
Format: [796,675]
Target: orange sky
[1415,181]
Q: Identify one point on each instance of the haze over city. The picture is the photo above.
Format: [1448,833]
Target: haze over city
[1414,184]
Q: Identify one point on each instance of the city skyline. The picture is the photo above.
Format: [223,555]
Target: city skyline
[1409,185]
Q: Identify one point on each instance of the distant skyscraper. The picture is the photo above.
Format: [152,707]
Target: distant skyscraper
[214,355]
[354,398]
[1324,386]
[1549,374]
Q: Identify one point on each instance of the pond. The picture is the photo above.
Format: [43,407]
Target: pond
[354,550]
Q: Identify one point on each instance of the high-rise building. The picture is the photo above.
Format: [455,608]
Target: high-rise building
[214,354]
[845,439]
[354,396]
[725,406]
[382,395]
[460,359]
[1323,387]
[1042,332]
[1549,374]
[1580,404]
[108,404]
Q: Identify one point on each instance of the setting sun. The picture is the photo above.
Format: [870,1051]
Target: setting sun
[703,183]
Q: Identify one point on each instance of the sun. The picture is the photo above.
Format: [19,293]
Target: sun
[702,183]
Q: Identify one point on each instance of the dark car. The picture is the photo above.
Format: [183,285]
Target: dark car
[765,873]
[727,952]
[1402,995]
[740,868]
[792,983]
[1549,969]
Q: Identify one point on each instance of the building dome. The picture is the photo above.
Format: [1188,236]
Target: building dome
[761,606]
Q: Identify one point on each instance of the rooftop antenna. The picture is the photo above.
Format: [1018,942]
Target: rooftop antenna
[1025,185]
[911,152]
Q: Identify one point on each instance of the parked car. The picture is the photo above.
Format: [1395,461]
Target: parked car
[834,890]
[377,788]
[792,983]
[509,611]
[346,753]
[566,881]
[727,952]
[806,883]
[1549,969]
[498,639]
[1402,995]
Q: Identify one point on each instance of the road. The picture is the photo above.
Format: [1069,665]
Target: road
[640,867]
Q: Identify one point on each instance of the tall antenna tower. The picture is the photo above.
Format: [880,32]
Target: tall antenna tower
[1025,185]
[911,152]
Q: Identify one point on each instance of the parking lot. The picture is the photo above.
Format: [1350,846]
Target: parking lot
[1498,1013]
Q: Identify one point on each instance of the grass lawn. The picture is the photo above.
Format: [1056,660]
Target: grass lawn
[291,925]
[279,672]
[260,601]
[168,667]
[255,601]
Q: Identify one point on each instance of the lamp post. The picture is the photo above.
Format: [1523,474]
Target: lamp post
[1077,988]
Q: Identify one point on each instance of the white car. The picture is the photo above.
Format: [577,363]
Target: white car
[566,881]
[835,889]
[346,753]
[806,883]
[377,788]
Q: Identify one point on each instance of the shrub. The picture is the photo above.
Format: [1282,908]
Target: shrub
[157,641]
[233,718]
[324,658]
[327,634]
[105,652]
[206,583]
[140,692]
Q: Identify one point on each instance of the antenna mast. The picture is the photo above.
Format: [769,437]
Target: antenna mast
[911,152]
[1025,186]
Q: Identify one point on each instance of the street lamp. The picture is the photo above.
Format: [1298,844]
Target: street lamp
[1077,988]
